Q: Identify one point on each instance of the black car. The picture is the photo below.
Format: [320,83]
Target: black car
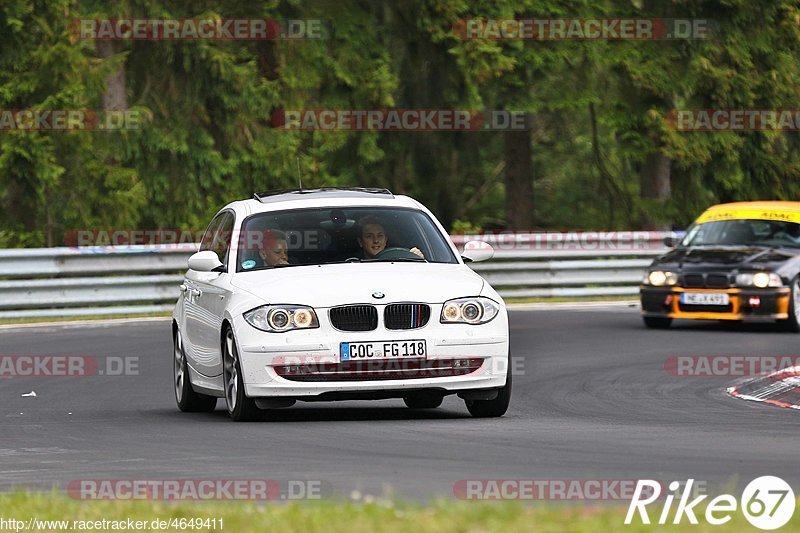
[738,261]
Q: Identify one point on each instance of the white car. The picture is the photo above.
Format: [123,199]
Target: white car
[336,294]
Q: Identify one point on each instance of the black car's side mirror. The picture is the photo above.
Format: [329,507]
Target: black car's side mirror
[671,242]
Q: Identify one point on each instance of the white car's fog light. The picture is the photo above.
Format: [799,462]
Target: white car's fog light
[475,310]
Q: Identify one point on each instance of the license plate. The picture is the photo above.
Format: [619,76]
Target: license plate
[705,298]
[370,351]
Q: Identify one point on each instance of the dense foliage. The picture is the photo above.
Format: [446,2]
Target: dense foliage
[598,152]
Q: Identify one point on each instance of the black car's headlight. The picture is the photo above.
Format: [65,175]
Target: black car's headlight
[659,278]
[473,310]
[761,280]
[280,318]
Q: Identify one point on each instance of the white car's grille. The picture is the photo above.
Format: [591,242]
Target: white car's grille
[354,317]
[406,316]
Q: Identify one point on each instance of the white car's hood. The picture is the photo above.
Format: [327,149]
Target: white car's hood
[332,285]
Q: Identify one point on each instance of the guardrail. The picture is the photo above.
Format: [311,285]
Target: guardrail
[97,281]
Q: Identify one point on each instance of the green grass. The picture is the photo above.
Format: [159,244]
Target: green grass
[329,516]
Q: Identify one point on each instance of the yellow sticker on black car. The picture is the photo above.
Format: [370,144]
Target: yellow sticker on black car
[744,213]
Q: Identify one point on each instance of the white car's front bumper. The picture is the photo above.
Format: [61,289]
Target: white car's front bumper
[261,352]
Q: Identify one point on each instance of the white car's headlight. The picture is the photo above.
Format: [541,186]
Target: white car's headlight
[759,279]
[658,278]
[280,318]
[474,310]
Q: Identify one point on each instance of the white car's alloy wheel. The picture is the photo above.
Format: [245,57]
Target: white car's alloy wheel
[177,368]
[185,396]
[240,407]
[231,372]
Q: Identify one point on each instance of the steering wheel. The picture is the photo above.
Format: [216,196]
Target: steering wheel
[396,253]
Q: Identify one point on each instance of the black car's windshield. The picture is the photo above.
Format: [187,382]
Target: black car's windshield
[321,236]
[758,233]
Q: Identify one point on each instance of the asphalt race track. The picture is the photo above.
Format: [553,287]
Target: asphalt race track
[593,402]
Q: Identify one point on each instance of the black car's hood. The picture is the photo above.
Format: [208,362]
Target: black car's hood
[726,258]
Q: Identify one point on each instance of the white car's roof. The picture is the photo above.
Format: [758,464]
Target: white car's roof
[328,197]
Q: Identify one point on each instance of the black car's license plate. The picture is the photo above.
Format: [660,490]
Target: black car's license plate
[705,298]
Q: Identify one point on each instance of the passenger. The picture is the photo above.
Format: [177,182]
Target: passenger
[275,250]
[372,238]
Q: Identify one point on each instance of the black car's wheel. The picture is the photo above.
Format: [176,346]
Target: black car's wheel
[793,322]
[657,322]
[240,407]
[187,399]
[423,401]
[492,408]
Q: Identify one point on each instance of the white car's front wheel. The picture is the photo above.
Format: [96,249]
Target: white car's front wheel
[185,396]
[495,407]
[240,407]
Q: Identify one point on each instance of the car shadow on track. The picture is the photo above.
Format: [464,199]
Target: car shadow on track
[736,327]
[306,413]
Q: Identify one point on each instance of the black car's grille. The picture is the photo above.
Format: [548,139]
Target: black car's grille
[406,316]
[695,281]
[354,317]
[717,281]
[713,280]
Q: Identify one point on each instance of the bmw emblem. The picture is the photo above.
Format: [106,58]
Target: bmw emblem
[378,295]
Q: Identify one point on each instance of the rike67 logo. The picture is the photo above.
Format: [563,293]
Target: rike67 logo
[767,502]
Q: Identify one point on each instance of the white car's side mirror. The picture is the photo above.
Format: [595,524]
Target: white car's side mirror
[477,251]
[206,261]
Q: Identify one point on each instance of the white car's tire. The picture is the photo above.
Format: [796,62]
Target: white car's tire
[492,408]
[240,407]
[185,396]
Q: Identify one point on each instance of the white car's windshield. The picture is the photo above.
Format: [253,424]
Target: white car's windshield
[337,235]
[767,233]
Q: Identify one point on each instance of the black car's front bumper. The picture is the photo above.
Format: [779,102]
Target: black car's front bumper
[747,305]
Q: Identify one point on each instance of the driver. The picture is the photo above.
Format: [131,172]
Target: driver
[275,250]
[372,238]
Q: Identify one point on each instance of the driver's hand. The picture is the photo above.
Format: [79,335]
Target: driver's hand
[417,251]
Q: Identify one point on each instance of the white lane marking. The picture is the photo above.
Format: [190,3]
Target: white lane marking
[106,322]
